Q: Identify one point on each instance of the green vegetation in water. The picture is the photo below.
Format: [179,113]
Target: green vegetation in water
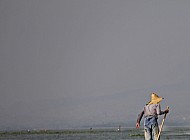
[136,135]
[53,132]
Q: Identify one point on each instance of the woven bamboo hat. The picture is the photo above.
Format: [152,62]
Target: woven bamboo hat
[155,99]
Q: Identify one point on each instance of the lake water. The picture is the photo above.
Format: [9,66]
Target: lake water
[170,133]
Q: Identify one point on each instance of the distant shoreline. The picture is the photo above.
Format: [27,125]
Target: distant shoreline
[77,130]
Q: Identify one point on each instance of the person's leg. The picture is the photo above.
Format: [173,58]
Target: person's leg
[155,131]
[147,133]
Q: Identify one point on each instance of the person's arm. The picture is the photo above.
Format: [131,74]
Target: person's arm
[159,112]
[139,119]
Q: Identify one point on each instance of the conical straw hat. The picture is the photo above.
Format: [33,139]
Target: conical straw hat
[155,99]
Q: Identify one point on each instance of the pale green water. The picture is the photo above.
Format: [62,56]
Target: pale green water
[172,133]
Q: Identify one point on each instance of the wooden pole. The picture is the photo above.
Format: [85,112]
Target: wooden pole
[162,125]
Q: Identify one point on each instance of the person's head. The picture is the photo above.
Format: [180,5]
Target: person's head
[155,99]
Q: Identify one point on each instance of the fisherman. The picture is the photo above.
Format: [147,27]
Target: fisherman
[151,112]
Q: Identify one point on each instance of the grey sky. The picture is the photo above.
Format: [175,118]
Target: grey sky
[73,63]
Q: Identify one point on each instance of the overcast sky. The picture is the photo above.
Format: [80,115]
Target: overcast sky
[70,63]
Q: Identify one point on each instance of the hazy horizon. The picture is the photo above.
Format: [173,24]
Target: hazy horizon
[77,63]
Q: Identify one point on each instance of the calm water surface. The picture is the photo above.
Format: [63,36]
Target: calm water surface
[172,133]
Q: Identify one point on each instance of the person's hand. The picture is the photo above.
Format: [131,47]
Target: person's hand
[166,111]
[137,125]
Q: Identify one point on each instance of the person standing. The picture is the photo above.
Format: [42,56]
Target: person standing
[150,113]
